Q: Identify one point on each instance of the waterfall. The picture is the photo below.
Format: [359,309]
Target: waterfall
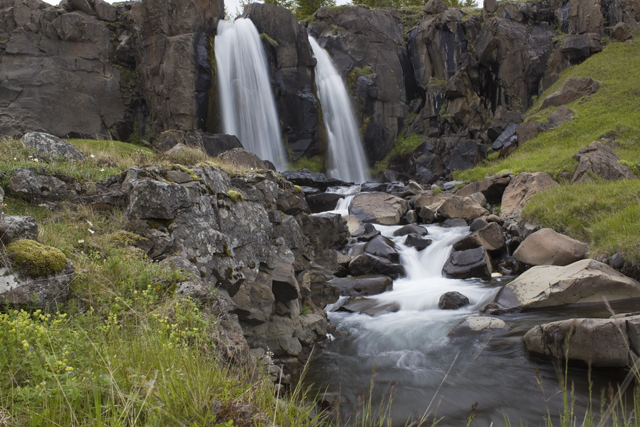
[346,155]
[248,108]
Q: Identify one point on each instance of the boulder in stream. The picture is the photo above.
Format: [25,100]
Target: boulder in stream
[466,264]
[585,281]
[368,306]
[363,285]
[380,208]
[366,264]
[452,301]
[478,324]
[606,343]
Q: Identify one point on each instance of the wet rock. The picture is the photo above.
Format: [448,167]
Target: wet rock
[411,229]
[621,32]
[468,242]
[17,227]
[417,242]
[584,281]
[492,188]
[573,89]
[240,158]
[411,217]
[478,324]
[353,224]
[363,285]
[477,224]
[381,246]
[323,202]
[36,187]
[522,188]
[603,343]
[380,208]
[454,222]
[600,160]
[461,207]
[452,301]
[547,247]
[372,187]
[368,306]
[367,232]
[50,146]
[366,264]
[468,264]
[307,178]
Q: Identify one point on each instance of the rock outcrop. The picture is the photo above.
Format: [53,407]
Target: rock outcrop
[522,188]
[599,160]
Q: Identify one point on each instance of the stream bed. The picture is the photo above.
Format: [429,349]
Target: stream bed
[408,353]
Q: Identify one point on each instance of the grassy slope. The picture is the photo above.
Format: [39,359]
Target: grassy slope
[604,214]
[124,350]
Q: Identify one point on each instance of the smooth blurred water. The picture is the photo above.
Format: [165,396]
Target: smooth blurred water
[347,160]
[247,104]
[409,353]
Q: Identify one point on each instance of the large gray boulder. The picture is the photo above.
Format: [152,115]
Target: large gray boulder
[380,208]
[548,247]
[50,146]
[491,237]
[367,264]
[522,188]
[583,281]
[600,160]
[603,343]
[474,325]
[27,184]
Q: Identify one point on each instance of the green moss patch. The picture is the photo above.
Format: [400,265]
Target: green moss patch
[234,195]
[36,259]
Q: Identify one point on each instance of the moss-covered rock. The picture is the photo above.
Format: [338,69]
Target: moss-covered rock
[36,259]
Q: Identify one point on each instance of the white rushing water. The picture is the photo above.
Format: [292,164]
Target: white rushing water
[248,108]
[347,160]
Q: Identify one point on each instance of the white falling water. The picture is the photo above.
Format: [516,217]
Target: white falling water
[346,156]
[248,108]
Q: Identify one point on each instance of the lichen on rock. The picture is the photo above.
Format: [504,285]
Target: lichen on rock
[36,259]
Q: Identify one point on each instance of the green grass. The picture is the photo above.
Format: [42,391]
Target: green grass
[315,164]
[604,214]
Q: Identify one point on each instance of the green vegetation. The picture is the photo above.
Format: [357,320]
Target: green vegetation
[36,259]
[315,164]
[352,77]
[603,213]
[272,42]
[234,195]
[404,146]
[403,4]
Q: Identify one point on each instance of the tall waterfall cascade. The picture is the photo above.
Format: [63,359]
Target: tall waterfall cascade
[247,103]
[347,160]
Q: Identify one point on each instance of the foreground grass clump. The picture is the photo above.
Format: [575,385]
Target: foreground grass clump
[604,214]
[125,350]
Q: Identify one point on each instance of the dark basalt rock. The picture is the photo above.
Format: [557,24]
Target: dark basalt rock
[322,202]
[417,242]
[368,306]
[381,246]
[363,285]
[369,264]
[307,178]
[452,301]
[468,264]
[411,229]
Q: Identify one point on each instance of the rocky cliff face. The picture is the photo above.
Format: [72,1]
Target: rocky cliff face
[452,81]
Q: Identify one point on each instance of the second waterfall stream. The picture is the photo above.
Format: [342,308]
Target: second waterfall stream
[347,160]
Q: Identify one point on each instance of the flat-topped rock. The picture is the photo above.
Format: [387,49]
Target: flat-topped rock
[461,207]
[585,281]
[380,208]
[362,285]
